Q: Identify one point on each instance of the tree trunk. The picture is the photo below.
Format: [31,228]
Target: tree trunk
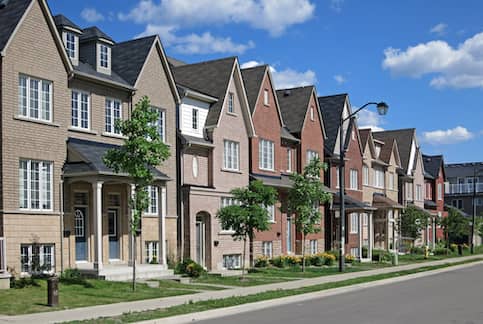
[303,252]
[244,256]
[250,244]
[134,263]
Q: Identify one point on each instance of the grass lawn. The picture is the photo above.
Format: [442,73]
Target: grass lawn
[34,299]
[168,284]
[234,301]
[250,280]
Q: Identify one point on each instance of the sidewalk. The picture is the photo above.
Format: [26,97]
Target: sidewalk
[143,305]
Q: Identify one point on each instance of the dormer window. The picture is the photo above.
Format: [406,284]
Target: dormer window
[70,44]
[104,56]
[378,151]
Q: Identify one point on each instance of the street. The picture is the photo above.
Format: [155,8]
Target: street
[453,297]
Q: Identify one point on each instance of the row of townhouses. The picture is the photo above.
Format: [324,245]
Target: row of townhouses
[63,87]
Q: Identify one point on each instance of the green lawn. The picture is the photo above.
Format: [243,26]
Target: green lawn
[34,299]
[250,280]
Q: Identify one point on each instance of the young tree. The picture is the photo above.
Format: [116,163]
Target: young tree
[456,227]
[304,199]
[142,151]
[249,214]
[413,221]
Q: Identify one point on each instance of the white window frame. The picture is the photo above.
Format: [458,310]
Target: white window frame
[312,117]
[266,100]
[267,249]
[79,110]
[419,192]
[354,252]
[110,119]
[354,217]
[379,175]
[314,245]
[42,257]
[44,105]
[153,208]
[337,177]
[160,123]
[289,160]
[231,103]
[71,52]
[271,213]
[231,155]
[194,119]
[365,175]
[104,57]
[45,185]
[232,261]
[440,191]
[354,179]
[152,251]
[311,155]
[266,155]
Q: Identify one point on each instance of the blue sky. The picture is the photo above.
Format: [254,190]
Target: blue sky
[424,58]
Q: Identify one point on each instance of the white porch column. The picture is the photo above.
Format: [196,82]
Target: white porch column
[130,195]
[97,204]
[162,239]
[370,230]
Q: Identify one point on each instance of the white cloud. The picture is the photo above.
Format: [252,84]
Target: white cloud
[439,29]
[274,16]
[204,43]
[369,119]
[340,79]
[450,136]
[286,78]
[336,5]
[91,15]
[459,67]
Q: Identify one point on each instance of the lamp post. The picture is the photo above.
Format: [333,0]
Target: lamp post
[382,108]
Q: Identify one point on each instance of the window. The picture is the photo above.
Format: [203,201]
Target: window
[440,191]
[458,203]
[419,192]
[365,175]
[80,109]
[355,252]
[267,249]
[378,151]
[70,44]
[153,200]
[390,215]
[35,98]
[161,124]
[232,261]
[231,155]
[194,118]
[311,155]
[113,113]
[265,97]
[392,184]
[152,249]
[271,213]
[37,258]
[104,56]
[313,246]
[289,160]
[354,174]
[354,223]
[35,185]
[409,191]
[312,113]
[365,219]
[231,108]
[378,178]
[266,155]
[337,177]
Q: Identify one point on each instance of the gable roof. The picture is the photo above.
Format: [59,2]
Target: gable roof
[62,21]
[364,135]
[91,33]
[253,78]
[294,105]
[432,164]
[211,78]
[332,108]
[173,62]
[128,57]
[404,139]
[10,16]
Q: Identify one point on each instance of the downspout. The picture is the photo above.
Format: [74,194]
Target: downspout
[61,207]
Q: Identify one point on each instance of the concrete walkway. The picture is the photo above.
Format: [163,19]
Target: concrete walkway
[92,312]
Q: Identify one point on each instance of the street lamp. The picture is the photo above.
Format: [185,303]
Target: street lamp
[382,109]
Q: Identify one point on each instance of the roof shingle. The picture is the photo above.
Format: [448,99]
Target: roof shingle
[10,16]
[404,139]
[293,105]
[253,78]
[332,108]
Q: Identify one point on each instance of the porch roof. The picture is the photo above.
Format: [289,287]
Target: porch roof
[85,158]
[382,201]
[350,203]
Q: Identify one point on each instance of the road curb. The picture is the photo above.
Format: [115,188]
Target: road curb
[260,305]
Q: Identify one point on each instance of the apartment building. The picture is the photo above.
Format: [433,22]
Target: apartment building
[464,180]
[61,207]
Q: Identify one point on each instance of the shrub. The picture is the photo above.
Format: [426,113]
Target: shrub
[74,277]
[317,260]
[279,262]
[293,260]
[453,247]
[335,253]
[194,270]
[349,258]
[441,251]
[329,258]
[417,250]
[24,283]
[381,256]
[466,247]
[262,261]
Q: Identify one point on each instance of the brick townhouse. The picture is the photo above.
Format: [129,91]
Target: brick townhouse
[434,179]
[273,153]
[380,188]
[62,89]
[303,119]
[358,214]
[215,127]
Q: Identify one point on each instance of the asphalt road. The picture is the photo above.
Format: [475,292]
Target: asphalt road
[454,297]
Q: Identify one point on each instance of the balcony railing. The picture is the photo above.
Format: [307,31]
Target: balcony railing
[3,256]
[465,188]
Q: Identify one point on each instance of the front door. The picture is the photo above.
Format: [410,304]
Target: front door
[113,225]
[80,216]
[200,242]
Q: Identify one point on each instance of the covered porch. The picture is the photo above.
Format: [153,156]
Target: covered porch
[97,216]
[386,222]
